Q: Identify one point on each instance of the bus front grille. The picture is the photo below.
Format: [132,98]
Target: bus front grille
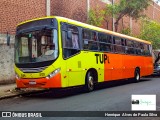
[33,70]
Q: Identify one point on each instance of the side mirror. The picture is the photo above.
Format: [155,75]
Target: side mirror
[8,39]
[69,35]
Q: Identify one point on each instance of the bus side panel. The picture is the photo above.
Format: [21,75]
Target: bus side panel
[108,68]
[113,69]
[148,66]
[128,62]
[139,62]
[64,75]
[143,63]
[143,66]
[92,60]
[74,71]
[78,65]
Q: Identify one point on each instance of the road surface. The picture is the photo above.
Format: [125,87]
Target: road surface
[115,97]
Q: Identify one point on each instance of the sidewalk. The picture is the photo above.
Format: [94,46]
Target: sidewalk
[8,91]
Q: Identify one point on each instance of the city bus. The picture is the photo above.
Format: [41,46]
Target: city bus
[57,52]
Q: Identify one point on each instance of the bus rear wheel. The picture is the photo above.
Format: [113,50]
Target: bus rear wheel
[89,85]
[137,75]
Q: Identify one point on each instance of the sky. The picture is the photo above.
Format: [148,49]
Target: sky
[158,1]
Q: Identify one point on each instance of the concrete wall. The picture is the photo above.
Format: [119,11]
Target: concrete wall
[13,12]
[7,73]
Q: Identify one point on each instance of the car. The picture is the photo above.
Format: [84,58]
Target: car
[156,58]
[156,69]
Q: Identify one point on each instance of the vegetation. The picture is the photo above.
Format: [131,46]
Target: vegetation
[131,8]
[150,30]
[96,17]
[126,31]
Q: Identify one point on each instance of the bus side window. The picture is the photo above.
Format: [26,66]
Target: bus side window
[150,49]
[142,49]
[137,48]
[118,45]
[104,41]
[130,47]
[109,39]
[66,42]
[89,40]
[146,50]
[75,40]
[71,43]
[123,43]
[86,37]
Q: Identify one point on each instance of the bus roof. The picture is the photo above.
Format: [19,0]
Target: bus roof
[74,22]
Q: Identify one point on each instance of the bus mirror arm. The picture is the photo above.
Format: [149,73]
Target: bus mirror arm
[69,35]
[8,39]
[157,59]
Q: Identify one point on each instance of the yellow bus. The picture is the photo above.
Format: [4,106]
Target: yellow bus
[56,52]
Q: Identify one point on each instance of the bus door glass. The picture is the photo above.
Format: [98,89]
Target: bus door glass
[71,50]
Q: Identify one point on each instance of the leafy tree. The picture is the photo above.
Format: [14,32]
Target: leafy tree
[150,30]
[132,8]
[96,17]
[126,31]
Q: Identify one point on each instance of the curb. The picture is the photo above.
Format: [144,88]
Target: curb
[9,96]
[18,94]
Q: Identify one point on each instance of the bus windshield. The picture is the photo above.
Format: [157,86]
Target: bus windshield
[36,46]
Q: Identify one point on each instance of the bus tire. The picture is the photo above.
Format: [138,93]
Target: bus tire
[89,82]
[137,75]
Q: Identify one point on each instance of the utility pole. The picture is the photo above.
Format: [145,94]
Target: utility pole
[113,28]
[130,23]
[88,8]
[153,10]
[48,7]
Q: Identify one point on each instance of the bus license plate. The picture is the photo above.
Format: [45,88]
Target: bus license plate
[32,82]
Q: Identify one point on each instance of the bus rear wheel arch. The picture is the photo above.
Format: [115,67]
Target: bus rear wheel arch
[91,79]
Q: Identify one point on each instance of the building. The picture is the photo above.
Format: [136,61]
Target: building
[16,11]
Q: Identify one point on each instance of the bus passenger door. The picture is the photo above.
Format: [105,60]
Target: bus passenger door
[71,50]
[74,71]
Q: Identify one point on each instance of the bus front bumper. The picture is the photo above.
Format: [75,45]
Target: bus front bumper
[54,82]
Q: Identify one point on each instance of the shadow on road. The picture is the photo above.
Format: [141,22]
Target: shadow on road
[62,93]
[153,76]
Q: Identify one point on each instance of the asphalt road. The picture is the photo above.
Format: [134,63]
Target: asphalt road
[109,97]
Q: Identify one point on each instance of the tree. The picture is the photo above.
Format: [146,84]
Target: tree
[126,31]
[95,16]
[131,8]
[150,30]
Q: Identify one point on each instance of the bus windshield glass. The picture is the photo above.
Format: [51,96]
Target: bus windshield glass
[36,46]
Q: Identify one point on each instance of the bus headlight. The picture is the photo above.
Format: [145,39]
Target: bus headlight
[53,73]
[17,76]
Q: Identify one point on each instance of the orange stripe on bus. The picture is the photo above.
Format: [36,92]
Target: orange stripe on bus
[54,82]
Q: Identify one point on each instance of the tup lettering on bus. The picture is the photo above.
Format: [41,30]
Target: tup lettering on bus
[101,58]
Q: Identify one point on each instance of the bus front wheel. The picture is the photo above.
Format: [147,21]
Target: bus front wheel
[89,85]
